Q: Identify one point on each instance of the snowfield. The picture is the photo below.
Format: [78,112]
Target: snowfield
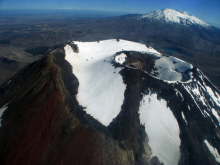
[101,88]
[162,129]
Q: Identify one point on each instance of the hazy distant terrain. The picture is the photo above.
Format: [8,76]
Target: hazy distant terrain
[26,37]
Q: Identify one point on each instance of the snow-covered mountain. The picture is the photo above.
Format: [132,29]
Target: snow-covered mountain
[109,102]
[174,16]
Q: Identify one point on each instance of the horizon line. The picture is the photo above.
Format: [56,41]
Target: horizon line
[116,11]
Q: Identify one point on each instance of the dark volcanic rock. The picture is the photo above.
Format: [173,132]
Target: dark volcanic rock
[42,126]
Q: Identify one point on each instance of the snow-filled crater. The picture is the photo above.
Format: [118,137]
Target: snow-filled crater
[167,68]
[101,87]
[173,69]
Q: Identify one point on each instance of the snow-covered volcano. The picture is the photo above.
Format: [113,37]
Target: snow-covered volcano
[106,103]
[174,16]
[168,85]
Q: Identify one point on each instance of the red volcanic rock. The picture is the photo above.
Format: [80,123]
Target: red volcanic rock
[41,126]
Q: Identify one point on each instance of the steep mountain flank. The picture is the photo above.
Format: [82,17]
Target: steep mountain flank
[42,124]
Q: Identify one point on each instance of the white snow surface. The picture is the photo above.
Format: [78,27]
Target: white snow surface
[162,129]
[213,151]
[171,68]
[184,118]
[174,16]
[215,113]
[101,87]
[121,58]
[214,95]
[2,110]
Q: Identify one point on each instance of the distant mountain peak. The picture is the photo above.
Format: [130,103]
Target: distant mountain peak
[175,16]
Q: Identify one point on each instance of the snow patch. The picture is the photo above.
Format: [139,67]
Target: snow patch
[121,58]
[2,110]
[215,113]
[198,94]
[213,151]
[190,92]
[184,118]
[215,97]
[162,129]
[188,107]
[101,87]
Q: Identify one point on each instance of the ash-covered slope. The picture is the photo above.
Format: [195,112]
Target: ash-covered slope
[109,102]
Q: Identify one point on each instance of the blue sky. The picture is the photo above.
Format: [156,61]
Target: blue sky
[208,10]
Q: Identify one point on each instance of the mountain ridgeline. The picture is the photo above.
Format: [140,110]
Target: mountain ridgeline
[111,102]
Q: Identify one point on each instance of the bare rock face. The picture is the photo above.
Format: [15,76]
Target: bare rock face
[42,126]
